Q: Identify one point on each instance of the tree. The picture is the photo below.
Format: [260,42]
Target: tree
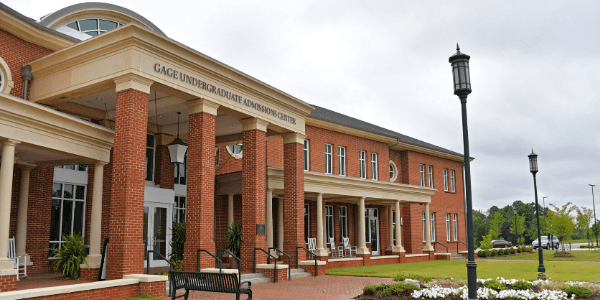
[520,229]
[480,228]
[562,221]
[584,218]
[496,222]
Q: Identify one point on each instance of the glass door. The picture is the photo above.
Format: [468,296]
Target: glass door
[157,232]
[372,229]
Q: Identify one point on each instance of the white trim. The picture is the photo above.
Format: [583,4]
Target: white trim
[432,219]
[430,176]
[306,151]
[362,159]
[6,82]
[393,165]
[422,170]
[448,227]
[328,159]
[445,180]
[342,161]
[455,224]
[235,155]
[453,180]
[374,168]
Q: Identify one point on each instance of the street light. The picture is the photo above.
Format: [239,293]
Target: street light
[533,166]
[545,213]
[516,226]
[462,88]
[595,221]
[177,148]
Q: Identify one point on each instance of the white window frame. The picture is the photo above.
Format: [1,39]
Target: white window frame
[149,176]
[432,219]
[447,227]
[445,180]
[362,159]
[374,166]
[329,222]
[453,181]
[306,222]
[424,225]
[328,159]
[62,200]
[430,175]
[234,152]
[306,155]
[422,167]
[455,221]
[178,209]
[342,160]
[180,172]
[343,223]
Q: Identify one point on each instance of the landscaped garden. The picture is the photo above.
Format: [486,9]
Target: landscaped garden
[549,255]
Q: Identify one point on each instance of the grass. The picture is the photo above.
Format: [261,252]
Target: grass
[559,271]
[579,255]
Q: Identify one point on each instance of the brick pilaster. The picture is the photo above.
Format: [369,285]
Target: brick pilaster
[254,164]
[200,190]
[39,214]
[126,247]
[8,282]
[293,211]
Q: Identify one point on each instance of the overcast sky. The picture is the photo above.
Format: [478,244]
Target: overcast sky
[535,71]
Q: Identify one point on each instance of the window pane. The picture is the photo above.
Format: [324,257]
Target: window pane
[73,25]
[107,25]
[78,218]
[150,141]
[52,247]
[92,33]
[55,220]
[70,167]
[149,163]
[82,167]
[57,190]
[80,192]
[68,191]
[88,24]
[67,216]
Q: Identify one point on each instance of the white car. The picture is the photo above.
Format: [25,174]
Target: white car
[547,243]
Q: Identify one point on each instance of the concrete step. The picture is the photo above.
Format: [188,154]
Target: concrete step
[296,271]
[457,257]
[299,273]
[255,278]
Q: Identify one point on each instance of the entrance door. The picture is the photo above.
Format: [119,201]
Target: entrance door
[157,232]
[372,230]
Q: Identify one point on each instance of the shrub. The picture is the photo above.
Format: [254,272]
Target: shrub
[177,241]
[495,285]
[578,291]
[519,250]
[70,256]
[513,251]
[402,277]
[369,289]
[522,285]
[482,253]
[494,252]
[388,289]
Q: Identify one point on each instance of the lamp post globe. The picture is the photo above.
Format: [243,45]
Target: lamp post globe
[462,88]
[533,167]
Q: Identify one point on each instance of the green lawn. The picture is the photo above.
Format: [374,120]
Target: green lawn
[559,271]
[579,255]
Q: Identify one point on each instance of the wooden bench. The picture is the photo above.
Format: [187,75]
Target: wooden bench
[207,282]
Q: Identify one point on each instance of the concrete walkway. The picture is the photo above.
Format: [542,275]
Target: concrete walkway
[322,287]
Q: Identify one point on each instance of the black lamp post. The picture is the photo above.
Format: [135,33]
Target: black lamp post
[516,226]
[533,166]
[595,221]
[462,88]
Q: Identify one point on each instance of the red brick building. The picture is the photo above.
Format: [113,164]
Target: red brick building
[90,98]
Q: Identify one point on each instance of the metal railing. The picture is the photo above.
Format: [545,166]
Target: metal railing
[236,258]
[220,263]
[289,260]
[435,249]
[457,246]
[268,255]
[163,258]
[313,254]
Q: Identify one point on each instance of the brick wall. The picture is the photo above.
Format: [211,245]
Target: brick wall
[106,198]
[293,210]
[14,204]
[18,53]
[8,283]
[38,218]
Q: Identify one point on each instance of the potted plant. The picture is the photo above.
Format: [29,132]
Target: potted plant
[234,242]
[70,256]
[177,244]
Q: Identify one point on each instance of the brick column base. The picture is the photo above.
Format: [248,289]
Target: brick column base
[311,269]
[402,257]
[8,280]
[366,258]
[89,274]
[431,254]
[153,289]
[282,274]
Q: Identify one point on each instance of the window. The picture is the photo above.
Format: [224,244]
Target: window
[342,160]
[306,222]
[150,150]
[423,219]
[79,167]
[94,27]
[455,217]
[363,164]
[328,159]
[446,180]
[306,155]
[1,79]
[343,223]
[422,175]
[235,149]
[393,172]
[447,227]
[180,173]
[67,214]
[430,171]
[453,181]
[374,166]
[433,226]
[329,222]
[179,210]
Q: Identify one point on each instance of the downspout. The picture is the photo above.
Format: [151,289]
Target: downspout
[397,142]
[26,75]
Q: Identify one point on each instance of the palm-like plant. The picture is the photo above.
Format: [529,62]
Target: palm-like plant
[71,255]
[234,238]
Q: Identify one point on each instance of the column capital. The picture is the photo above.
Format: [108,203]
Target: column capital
[293,137]
[10,142]
[254,123]
[201,105]
[101,163]
[134,82]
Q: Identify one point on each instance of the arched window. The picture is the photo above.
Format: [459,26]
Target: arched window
[1,79]
[393,171]
[94,26]
[236,150]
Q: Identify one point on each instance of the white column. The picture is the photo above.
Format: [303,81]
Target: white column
[21,238]
[320,251]
[398,247]
[6,177]
[427,246]
[280,223]
[362,244]
[269,225]
[96,222]
[391,227]
[229,209]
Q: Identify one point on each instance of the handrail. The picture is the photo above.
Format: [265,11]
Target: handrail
[269,255]
[457,246]
[198,260]
[163,258]
[313,254]
[434,243]
[289,260]
[233,256]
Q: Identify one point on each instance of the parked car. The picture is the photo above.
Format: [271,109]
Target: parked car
[547,242]
[501,244]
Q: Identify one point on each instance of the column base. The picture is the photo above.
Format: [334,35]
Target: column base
[363,251]
[428,248]
[321,252]
[90,274]
[398,249]
[8,280]
[431,254]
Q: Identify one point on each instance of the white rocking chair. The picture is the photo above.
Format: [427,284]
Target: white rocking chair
[312,246]
[351,249]
[20,261]
[335,251]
